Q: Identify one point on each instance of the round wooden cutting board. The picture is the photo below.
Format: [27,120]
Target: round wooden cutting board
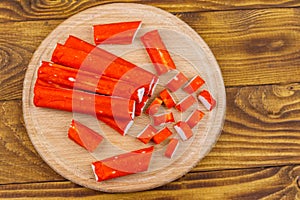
[48,128]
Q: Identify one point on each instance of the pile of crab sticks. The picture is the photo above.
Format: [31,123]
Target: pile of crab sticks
[84,78]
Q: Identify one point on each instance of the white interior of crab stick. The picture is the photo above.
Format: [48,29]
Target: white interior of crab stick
[180,132]
[136,31]
[94,171]
[140,92]
[204,101]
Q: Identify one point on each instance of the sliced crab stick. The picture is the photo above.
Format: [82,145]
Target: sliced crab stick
[114,111]
[207,100]
[194,118]
[74,78]
[140,106]
[146,135]
[172,147]
[162,119]
[122,165]
[111,61]
[183,130]
[84,136]
[157,52]
[116,33]
[194,84]
[177,82]
[161,135]
[167,98]
[154,106]
[186,103]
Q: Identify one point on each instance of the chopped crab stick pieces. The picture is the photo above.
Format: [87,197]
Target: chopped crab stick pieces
[123,164]
[183,130]
[146,135]
[154,106]
[194,118]
[84,136]
[167,98]
[171,148]
[71,78]
[161,135]
[177,82]
[186,103]
[207,100]
[162,119]
[157,52]
[194,84]
[116,33]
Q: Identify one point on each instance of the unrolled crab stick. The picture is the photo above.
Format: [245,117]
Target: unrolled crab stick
[122,165]
[161,135]
[154,106]
[74,78]
[183,130]
[194,118]
[146,134]
[162,119]
[84,136]
[177,82]
[171,148]
[186,103]
[167,98]
[116,33]
[157,52]
[194,84]
[207,100]
[114,64]
[114,111]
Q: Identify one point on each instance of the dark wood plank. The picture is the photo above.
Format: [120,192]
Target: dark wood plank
[261,129]
[267,183]
[18,10]
[19,161]
[252,47]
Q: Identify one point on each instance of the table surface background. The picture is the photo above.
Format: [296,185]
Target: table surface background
[257,45]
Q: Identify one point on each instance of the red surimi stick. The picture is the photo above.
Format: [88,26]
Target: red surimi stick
[114,64]
[84,136]
[207,100]
[177,82]
[154,106]
[172,147]
[114,111]
[140,106]
[55,74]
[183,129]
[146,135]
[116,33]
[194,84]
[194,118]
[122,165]
[161,135]
[167,98]
[186,103]
[157,52]
[162,119]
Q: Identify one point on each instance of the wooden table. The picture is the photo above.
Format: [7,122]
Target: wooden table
[257,45]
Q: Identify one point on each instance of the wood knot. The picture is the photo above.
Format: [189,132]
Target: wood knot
[266,44]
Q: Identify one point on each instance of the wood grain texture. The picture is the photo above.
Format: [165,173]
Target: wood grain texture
[252,47]
[18,41]
[19,161]
[248,184]
[261,129]
[20,10]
